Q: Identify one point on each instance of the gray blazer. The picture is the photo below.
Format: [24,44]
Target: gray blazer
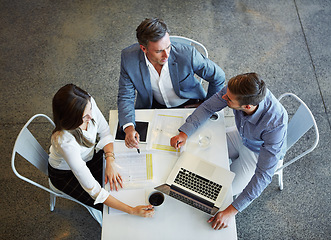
[184,61]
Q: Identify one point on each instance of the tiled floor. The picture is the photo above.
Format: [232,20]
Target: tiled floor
[46,44]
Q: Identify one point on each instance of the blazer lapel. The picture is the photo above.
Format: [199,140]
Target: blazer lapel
[173,70]
[145,76]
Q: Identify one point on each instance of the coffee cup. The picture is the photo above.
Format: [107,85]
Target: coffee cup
[156,199]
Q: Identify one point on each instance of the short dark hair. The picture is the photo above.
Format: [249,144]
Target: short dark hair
[151,29]
[249,88]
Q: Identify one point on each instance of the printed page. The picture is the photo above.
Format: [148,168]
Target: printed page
[135,167]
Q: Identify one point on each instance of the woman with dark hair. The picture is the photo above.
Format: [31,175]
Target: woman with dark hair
[75,162]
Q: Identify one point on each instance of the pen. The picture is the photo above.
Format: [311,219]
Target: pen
[138,150]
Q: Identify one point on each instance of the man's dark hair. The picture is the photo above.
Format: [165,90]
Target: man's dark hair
[249,88]
[151,29]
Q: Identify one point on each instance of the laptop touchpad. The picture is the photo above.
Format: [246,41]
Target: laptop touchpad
[205,168]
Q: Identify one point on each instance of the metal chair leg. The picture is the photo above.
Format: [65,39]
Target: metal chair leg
[280,180]
[52,201]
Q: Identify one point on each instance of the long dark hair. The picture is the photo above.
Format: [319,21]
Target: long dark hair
[68,108]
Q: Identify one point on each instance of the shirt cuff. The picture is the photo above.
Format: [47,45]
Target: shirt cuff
[103,195]
[187,129]
[103,142]
[241,202]
[127,125]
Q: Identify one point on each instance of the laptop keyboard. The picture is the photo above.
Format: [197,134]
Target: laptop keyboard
[190,202]
[198,184]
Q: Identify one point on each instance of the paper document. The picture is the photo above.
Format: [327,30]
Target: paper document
[135,167]
[131,197]
[164,127]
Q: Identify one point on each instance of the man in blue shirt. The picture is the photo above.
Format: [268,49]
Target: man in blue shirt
[255,145]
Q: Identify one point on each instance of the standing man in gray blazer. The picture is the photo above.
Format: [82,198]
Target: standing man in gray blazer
[162,75]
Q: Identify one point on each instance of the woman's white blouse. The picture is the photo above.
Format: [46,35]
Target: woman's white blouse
[67,154]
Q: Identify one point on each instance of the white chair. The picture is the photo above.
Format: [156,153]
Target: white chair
[183,40]
[29,148]
[298,125]
[188,41]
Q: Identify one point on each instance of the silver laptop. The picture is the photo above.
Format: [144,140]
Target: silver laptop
[198,183]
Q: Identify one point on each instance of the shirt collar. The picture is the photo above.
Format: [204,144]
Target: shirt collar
[149,64]
[260,109]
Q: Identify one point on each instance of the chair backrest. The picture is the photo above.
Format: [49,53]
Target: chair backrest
[29,148]
[299,124]
[188,41]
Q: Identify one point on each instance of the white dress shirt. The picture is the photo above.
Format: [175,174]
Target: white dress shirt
[67,154]
[163,90]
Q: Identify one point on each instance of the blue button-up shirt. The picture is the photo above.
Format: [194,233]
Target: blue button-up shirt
[263,132]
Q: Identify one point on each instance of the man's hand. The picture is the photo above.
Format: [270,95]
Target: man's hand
[179,140]
[222,219]
[131,137]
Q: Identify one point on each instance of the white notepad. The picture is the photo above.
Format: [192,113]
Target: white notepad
[164,127]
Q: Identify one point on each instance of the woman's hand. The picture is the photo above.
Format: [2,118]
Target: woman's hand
[143,211]
[112,175]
